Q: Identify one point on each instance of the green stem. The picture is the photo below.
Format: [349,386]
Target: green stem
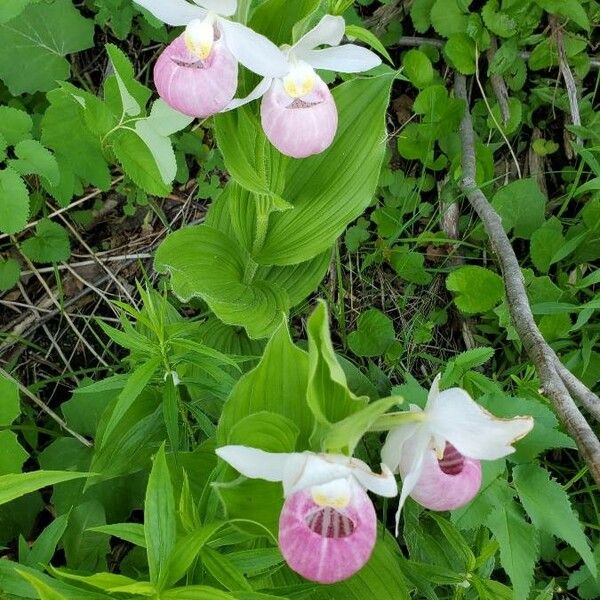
[243,11]
[391,420]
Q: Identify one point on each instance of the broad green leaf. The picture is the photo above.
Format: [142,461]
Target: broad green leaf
[373,335]
[380,578]
[15,486]
[160,519]
[15,125]
[328,395]
[133,95]
[103,581]
[265,430]
[518,546]
[275,19]
[44,590]
[186,549]
[196,592]
[155,131]
[521,206]
[12,454]
[410,266]
[33,45]
[447,17]
[477,289]
[34,159]
[545,243]
[10,407]
[205,262]
[12,9]
[49,244]
[420,13]
[130,532]
[136,383]
[460,52]
[355,32]
[146,165]
[82,153]
[224,570]
[323,204]
[550,510]
[418,68]
[14,202]
[44,547]
[277,385]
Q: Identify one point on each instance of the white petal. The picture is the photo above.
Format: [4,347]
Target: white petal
[329,31]
[225,8]
[253,50]
[308,469]
[434,390]
[260,90]
[454,416]
[383,485]
[343,59]
[392,448]
[419,446]
[173,12]
[254,463]
[336,493]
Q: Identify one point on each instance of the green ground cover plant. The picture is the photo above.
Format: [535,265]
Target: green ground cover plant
[299,300]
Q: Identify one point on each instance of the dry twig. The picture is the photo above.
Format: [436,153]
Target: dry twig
[560,388]
[498,84]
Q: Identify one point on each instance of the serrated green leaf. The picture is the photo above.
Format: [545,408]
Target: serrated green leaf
[49,244]
[10,407]
[12,454]
[15,125]
[521,205]
[373,335]
[447,18]
[477,289]
[141,161]
[10,272]
[499,23]
[410,266]
[418,68]
[133,94]
[420,13]
[33,45]
[34,159]
[518,546]
[460,52]
[550,510]
[82,153]
[14,202]
[570,9]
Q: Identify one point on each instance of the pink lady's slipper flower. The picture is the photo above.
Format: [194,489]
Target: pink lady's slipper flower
[197,74]
[328,526]
[298,112]
[438,454]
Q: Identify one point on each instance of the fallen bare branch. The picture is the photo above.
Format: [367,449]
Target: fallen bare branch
[543,357]
[498,84]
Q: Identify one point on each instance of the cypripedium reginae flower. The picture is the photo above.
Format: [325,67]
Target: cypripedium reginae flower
[328,526]
[437,453]
[197,74]
[298,112]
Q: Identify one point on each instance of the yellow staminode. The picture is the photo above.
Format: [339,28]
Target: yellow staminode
[336,494]
[200,36]
[300,81]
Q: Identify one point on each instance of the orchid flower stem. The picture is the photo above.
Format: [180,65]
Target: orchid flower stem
[263,211]
[391,420]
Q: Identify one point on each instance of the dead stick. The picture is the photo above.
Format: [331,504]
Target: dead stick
[540,353]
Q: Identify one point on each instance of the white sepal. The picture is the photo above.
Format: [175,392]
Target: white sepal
[225,8]
[254,463]
[173,12]
[452,415]
[253,50]
[329,31]
[258,92]
[348,58]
